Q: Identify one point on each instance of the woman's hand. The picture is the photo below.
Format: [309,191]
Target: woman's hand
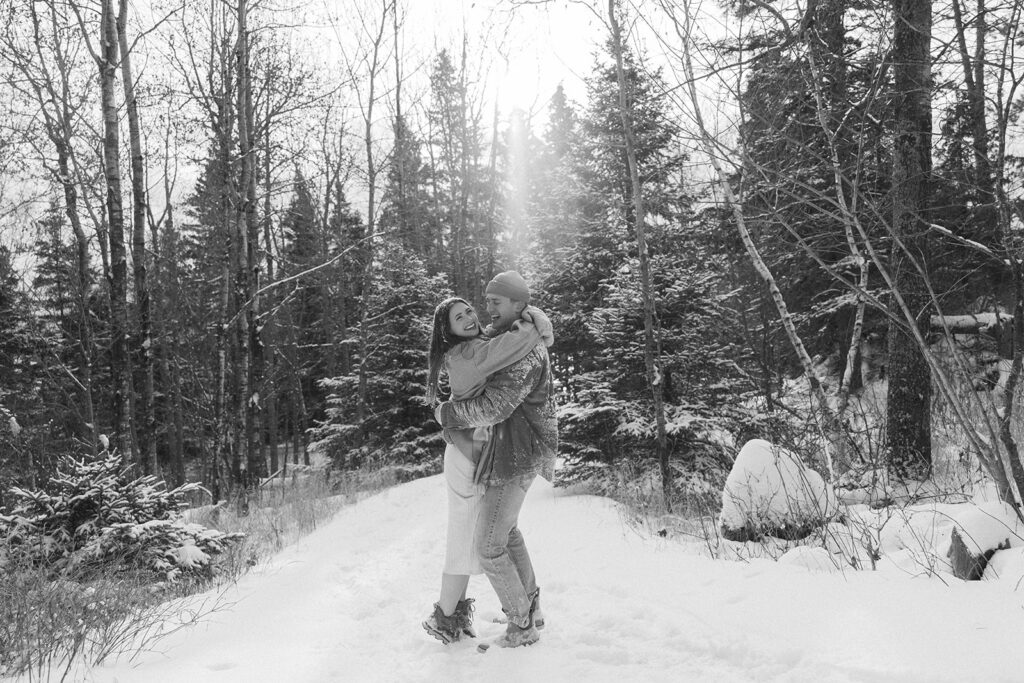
[540,320]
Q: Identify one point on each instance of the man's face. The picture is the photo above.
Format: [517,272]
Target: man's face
[503,311]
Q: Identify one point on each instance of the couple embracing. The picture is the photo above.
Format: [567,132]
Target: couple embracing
[501,432]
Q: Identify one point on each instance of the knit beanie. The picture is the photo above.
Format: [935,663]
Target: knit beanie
[510,284]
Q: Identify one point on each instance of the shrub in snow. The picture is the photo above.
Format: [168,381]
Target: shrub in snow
[852,541]
[94,513]
[770,492]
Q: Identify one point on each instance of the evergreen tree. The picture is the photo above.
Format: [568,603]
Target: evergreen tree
[304,248]
[408,208]
[460,187]
[790,193]
[346,235]
[584,219]
[57,290]
[399,427]
[585,262]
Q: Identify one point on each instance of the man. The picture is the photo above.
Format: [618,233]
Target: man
[519,401]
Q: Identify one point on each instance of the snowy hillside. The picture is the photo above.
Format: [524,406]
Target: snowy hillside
[346,603]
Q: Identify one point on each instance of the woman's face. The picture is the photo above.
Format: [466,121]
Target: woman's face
[463,321]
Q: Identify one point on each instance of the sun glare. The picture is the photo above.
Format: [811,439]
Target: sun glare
[523,86]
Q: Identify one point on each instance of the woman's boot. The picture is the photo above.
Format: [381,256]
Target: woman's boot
[447,629]
[464,611]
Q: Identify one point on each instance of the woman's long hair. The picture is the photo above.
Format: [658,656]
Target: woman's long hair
[441,341]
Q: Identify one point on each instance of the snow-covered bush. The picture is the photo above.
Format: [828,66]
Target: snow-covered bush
[95,514]
[770,492]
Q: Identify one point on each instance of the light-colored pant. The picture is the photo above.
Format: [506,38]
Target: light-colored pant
[464,499]
[502,548]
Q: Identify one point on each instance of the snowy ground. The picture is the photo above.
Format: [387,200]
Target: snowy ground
[346,603]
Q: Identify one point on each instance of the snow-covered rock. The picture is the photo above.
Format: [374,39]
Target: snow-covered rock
[978,532]
[770,492]
[1006,565]
[987,525]
[950,538]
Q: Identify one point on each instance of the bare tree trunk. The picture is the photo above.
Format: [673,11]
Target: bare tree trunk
[1006,418]
[144,340]
[487,266]
[847,193]
[252,346]
[467,260]
[222,450]
[120,365]
[1005,211]
[270,338]
[84,281]
[296,430]
[974,80]
[652,345]
[908,414]
[170,345]
[371,228]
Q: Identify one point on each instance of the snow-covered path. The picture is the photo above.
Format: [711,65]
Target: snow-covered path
[345,604]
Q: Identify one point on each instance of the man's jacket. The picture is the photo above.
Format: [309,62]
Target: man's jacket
[519,401]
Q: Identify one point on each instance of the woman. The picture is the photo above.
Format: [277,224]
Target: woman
[460,350]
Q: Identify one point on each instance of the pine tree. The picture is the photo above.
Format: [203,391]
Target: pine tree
[790,194]
[408,208]
[399,427]
[58,296]
[346,233]
[24,384]
[582,221]
[461,189]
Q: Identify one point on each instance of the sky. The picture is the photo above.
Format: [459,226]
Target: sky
[621,604]
[534,47]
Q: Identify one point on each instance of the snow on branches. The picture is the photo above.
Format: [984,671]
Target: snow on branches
[93,512]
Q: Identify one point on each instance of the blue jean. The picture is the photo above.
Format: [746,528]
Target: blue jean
[502,548]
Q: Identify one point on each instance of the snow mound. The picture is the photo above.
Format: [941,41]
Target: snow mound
[984,527]
[1006,565]
[770,492]
[815,559]
[918,534]
[979,532]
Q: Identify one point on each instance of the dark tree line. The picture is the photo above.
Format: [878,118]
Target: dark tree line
[222,328]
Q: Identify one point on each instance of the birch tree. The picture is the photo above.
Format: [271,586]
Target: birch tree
[38,45]
[652,346]
[144,339]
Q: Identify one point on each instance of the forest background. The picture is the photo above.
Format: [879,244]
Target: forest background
[226,224]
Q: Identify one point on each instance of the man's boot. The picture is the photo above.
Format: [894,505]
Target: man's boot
[536,616]
[516,636]
[447,629]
